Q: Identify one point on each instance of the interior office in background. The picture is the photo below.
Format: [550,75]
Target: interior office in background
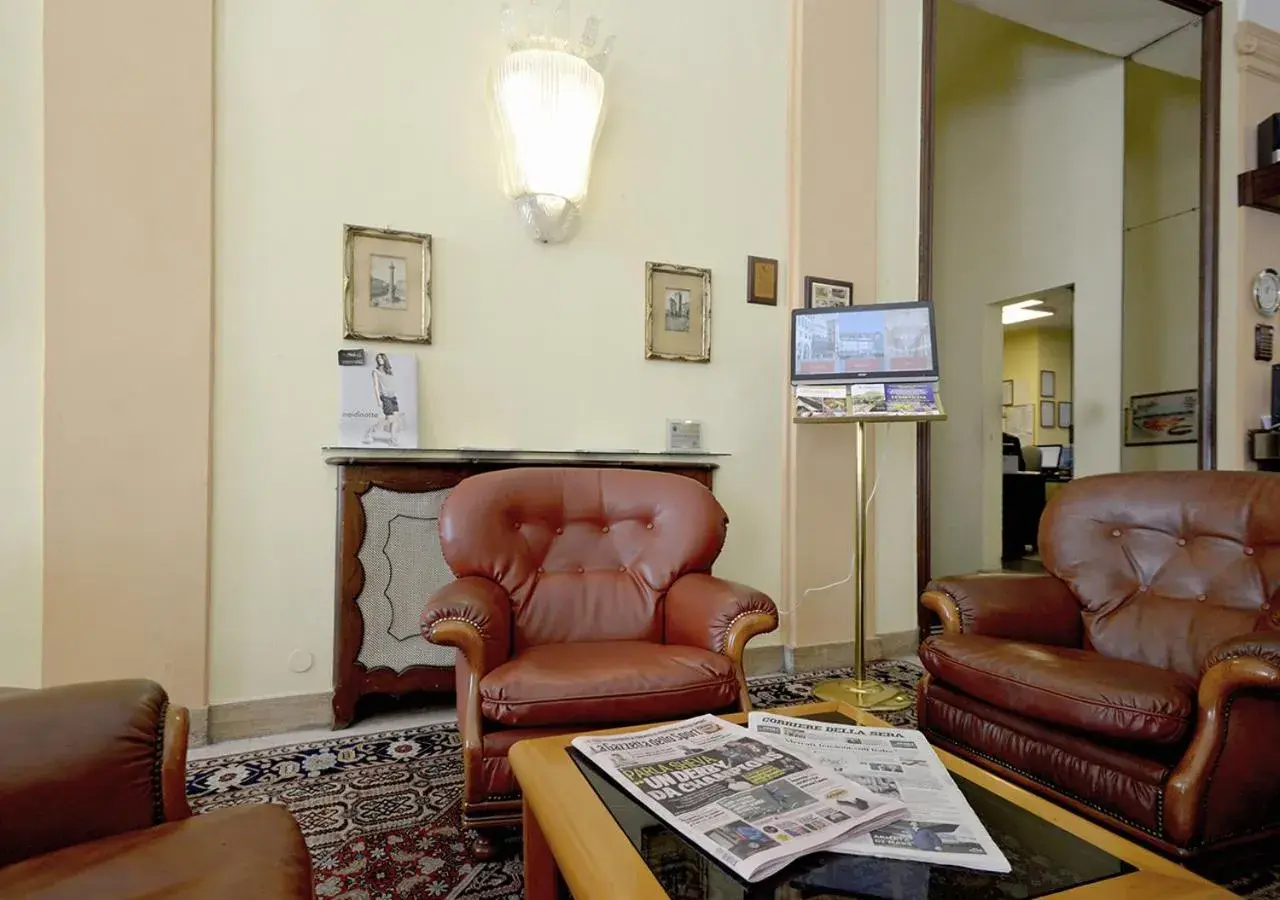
[1075,141]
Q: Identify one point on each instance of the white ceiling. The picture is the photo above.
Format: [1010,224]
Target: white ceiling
[1116,27]
[1178,53]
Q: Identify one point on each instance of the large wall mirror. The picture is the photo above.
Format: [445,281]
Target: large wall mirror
[1069,241]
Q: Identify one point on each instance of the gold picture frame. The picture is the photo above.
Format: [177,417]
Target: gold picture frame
[677,320]
[386,285]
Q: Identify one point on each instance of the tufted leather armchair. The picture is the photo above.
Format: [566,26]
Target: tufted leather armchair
[1138,680]
[584,598]
[93,805]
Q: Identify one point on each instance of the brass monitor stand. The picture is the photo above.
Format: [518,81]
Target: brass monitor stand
[860,691]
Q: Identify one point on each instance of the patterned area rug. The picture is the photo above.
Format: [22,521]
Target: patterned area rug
[381,812]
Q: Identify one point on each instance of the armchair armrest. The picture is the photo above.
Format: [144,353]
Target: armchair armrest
[87,761]
[1245,664]
[1262,646]
[717,615]
[1037,608]
[472,614]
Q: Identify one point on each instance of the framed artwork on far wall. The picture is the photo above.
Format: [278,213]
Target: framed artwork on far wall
[1064,414]
[386,285]
[1048,414]
[677,318]
[1006,392]
[1047,384]
[822,292]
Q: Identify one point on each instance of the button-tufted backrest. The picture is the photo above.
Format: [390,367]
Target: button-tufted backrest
[1166,565]
[586,554]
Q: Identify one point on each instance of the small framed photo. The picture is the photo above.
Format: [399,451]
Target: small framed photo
[1048,414]
[677,324]
[1006,392]
[386,285]
[822,292]
[1047,384]
[1064,414]
[762,280]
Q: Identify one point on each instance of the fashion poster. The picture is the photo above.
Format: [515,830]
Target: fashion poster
[379,401]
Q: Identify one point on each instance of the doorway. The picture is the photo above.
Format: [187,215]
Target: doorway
[1028,150]
[1036,407]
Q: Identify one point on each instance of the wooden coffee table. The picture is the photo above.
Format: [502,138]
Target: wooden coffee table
[572,836]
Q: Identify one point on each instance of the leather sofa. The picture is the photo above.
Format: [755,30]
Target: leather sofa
[93,805]
[1138,680]
[584,599]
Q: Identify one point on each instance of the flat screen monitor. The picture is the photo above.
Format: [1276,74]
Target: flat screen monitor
[877,342]
[1050,456]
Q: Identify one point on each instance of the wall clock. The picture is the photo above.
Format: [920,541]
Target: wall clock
[1266,292]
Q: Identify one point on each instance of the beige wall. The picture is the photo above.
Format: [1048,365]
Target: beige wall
[1161,247]
[834,235]
[535,346]
[854,190]
[21,336]
[1258,72]
[1027,197]
[127,160]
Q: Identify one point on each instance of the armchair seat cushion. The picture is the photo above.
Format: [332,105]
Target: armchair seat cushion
[248,851]
[1076,689]
[607,683]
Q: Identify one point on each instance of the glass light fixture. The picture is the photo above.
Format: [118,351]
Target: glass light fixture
[548,101]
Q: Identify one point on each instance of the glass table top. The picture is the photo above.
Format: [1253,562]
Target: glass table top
[1045,858]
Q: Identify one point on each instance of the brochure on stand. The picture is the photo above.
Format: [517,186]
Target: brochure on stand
[880,402]
[940,827]
[748,802]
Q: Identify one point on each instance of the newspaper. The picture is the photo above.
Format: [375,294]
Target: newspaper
[751,805]
[940,828]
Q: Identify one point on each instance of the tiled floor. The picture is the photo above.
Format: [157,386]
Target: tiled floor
[389,721]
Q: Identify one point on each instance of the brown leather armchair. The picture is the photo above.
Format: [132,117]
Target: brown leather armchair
[93,804]
[1138,681]
[584,599]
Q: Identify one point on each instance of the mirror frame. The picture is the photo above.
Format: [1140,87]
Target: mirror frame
[1210,12]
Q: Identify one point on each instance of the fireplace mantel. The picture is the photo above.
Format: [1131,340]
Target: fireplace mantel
[347,456]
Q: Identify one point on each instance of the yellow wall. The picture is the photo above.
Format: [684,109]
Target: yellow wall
[1013,105]
[534,346]
[21,337]
[1027,353]
[1161,247]
[1055,357]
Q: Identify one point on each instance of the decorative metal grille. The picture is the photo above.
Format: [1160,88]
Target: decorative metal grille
[403,567]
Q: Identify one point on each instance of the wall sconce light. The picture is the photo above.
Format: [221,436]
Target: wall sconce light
[548,100]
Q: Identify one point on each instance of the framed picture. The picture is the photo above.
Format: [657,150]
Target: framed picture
[1048,414]
[1064,414]
[1006,392]
[677,322]
[820,292]
[386,285]
[762,280]
[1047,385]
[1168,418]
